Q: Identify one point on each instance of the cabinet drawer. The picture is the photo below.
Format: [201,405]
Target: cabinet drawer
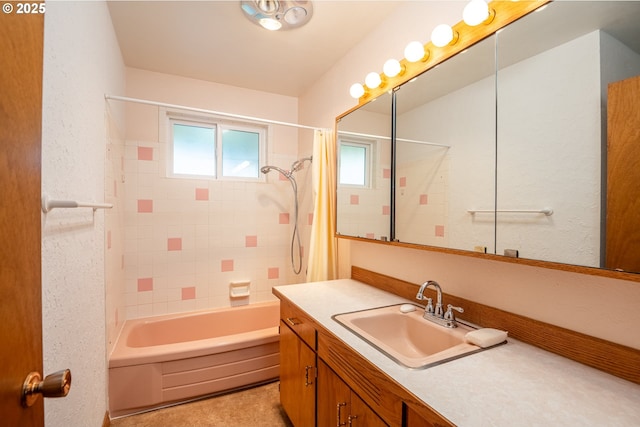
[299,322]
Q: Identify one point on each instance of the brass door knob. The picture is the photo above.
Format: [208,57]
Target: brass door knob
[54,385]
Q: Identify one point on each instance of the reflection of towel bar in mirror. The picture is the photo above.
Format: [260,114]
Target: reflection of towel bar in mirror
[414,141]
[546,211]
[48,204]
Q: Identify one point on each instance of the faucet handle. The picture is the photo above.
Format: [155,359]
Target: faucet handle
[429,308]
[449,314]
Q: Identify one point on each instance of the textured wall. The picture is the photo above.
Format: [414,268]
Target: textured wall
[81,62]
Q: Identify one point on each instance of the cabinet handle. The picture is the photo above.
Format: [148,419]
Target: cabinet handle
[351,418]
[306,376]
[340,405]
[293,321]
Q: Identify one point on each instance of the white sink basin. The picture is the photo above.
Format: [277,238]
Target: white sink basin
[407,338]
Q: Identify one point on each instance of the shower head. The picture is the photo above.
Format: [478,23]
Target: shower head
[299,164]
[267,169]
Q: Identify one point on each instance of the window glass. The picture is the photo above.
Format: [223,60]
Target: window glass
[354,164]
[194,150]
[240,153]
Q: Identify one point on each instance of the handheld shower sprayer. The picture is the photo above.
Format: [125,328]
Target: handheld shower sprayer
[295,167]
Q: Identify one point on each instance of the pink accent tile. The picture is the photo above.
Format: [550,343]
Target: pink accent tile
[386,210]
[386,173]
[403,181]
[174,244]
[354,199]
[284,218]
[145,206]
[424,199]
[202,194]
[251,241]
[310,219]
[226,265]
[273,273]
[145,284]
[439,230]
[109,239]
[189,293]
[370,235]
[145,153]
[282,177]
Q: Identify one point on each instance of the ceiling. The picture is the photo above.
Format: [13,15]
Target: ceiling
[213,41]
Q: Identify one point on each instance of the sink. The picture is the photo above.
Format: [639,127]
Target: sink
[407,338]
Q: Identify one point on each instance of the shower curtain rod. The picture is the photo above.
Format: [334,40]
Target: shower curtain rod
[413,141]
[217,113]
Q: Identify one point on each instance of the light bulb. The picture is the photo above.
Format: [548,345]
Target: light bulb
[414,51]
[392,68]
[270,24]
[475,12]
[372,80]
[356,90]
[442,35]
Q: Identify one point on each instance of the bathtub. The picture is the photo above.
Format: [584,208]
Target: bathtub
[162,360]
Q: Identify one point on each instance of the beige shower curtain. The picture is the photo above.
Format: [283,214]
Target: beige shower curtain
[323,246]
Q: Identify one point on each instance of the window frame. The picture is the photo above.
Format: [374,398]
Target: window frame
[369,146]
[220,125]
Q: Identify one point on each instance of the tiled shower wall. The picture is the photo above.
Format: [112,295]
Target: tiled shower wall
[177,244]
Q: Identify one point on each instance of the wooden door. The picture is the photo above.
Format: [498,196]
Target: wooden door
[623,175]
[21,48]
[297,378]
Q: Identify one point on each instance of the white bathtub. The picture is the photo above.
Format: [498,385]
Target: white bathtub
[166,359]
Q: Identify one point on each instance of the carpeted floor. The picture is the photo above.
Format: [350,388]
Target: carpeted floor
[254,407]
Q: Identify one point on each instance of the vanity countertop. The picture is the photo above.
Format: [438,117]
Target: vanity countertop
[515,384]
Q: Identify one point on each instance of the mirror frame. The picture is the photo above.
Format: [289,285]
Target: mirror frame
[503,14]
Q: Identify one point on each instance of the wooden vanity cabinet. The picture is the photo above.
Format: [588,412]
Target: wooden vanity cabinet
[338,405]
[325,383]
[297,367]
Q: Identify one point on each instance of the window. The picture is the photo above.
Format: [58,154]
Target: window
[355,163]
[215,149]
[194,149]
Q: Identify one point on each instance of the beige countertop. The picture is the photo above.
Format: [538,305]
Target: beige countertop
[515,384]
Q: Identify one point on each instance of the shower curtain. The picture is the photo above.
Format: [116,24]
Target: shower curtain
[323,246]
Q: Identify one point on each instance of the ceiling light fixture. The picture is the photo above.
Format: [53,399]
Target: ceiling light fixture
[277,14]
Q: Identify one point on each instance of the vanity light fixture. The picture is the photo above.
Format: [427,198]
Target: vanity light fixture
[373,80]
[477,12]
[415,52]
[356,90]
[443,35]
[277,14]
[393,68]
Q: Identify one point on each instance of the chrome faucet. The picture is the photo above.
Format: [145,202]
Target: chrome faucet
[436,314]
[429,308]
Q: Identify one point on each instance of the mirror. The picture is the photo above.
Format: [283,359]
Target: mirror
[364,171]
[445,145]
[523,170]
[552,127]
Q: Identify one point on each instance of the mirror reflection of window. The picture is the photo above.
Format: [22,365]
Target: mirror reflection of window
[355,163]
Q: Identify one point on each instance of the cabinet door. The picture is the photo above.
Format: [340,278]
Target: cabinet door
[339,406]
[333,398]
[363,416]
[297,378]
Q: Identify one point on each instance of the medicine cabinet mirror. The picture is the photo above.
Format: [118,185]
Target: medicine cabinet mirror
[522,168]
[364,170]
